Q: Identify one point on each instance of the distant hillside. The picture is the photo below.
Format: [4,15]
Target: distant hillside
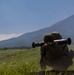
[65,27]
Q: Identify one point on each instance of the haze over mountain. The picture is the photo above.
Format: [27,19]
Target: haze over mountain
[65,27]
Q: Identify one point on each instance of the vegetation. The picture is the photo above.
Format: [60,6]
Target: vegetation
[21,61]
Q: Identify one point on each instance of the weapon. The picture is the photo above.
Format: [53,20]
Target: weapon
[59,41]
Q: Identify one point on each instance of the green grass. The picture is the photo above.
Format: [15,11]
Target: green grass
[21,62]
[71,47]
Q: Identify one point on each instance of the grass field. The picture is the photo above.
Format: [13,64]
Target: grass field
[21,61]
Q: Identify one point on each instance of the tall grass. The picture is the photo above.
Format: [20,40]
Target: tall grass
[21,62]
[17,68]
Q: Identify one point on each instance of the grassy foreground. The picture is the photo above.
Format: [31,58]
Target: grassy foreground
[21,62]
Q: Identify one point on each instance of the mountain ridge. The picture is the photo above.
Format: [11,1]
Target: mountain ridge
[65,27]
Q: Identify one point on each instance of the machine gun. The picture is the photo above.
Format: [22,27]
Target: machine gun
[59,41]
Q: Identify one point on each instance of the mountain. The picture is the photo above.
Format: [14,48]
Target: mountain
[65,27]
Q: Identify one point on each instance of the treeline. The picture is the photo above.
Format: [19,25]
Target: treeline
[22,47]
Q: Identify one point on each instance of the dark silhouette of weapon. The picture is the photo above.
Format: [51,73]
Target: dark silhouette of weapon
[59,41]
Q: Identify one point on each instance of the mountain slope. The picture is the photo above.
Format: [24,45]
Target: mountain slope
[65,27]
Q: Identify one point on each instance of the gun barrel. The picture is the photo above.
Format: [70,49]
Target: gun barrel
[63,41]
[59,41]
[37,44]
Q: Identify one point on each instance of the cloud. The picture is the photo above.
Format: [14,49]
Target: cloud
[8,36]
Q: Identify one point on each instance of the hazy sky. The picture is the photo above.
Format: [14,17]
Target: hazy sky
[22,16]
